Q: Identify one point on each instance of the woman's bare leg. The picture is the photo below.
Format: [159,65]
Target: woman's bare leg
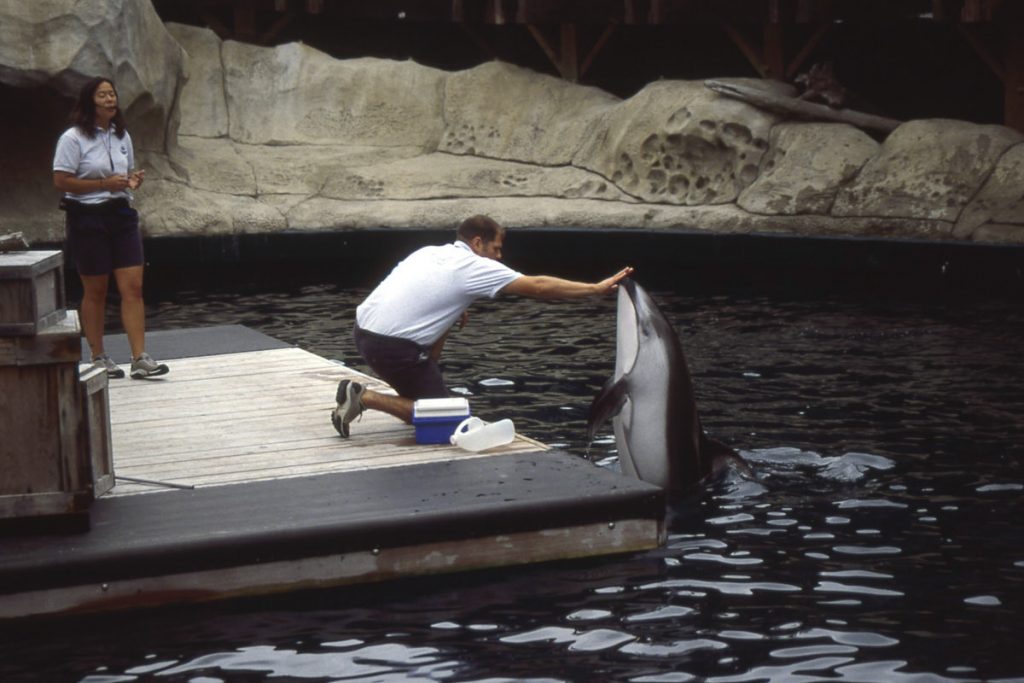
[93,310]
[133,308]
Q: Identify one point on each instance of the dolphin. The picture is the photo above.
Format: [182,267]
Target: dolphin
[650,401]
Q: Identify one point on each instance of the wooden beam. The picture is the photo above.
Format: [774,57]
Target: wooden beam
[478,40]
[565,59]
[984,51]
[804,53]
[270,35]
[598,46]
[747,48]
[542,40]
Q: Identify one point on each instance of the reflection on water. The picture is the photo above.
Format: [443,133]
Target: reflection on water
[882,540]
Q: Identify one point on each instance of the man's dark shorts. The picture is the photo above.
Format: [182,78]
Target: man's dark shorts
[403,364]
[100,242]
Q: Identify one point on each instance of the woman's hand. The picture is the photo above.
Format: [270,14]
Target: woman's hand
[136,179]
[115,183]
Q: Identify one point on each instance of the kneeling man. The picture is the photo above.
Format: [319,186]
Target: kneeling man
[402,325]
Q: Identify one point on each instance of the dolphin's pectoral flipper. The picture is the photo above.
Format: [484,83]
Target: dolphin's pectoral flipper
[606,404]
[716,457]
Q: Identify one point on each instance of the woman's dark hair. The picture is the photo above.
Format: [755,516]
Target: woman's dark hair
[83,116]
[480,226]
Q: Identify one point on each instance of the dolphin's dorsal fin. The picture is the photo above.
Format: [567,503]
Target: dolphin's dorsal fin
[606,405]
[715,456]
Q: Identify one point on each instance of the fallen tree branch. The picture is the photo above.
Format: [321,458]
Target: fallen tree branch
[798,108]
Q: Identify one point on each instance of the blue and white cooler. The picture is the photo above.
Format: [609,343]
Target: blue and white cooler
[435,419]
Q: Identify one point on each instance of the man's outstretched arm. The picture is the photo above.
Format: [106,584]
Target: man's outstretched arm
[548,287]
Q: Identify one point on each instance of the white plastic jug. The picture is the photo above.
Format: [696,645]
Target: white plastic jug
[473,434]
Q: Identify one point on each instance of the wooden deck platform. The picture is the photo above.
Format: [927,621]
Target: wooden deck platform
[281,502]
[252,416]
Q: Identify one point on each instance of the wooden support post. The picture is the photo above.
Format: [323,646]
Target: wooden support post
[656,14]
[774,54]
[1013,83]
[522,12]
[497,12]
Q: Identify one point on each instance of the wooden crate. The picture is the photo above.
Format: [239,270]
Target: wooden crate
[97,432]
[31,291]
[45,468]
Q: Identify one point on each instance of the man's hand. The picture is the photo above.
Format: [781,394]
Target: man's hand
[610,284]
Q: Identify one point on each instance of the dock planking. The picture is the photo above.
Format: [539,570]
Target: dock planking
[252,416]
[282,503]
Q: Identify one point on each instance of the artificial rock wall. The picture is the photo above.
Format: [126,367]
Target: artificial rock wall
[237,138]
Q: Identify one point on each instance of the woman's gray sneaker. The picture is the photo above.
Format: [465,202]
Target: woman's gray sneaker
[113,371]
[144,366]
[350,405]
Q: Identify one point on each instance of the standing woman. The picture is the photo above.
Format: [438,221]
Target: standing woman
[94,168]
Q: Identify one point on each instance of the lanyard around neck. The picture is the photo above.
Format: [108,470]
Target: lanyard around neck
[106,143]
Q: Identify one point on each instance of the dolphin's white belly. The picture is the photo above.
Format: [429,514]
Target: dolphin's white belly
[641,428]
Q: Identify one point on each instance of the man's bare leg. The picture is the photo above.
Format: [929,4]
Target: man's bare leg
[397,406]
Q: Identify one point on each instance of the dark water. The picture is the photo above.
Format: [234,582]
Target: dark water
[883,541]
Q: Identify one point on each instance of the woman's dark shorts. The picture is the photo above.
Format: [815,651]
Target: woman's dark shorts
[403,364]
[99,242]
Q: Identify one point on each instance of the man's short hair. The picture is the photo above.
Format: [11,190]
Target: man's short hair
[483,227]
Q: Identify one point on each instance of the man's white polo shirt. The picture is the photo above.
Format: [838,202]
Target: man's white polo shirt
[427,292]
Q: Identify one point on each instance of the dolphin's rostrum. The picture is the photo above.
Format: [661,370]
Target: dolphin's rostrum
[650,400]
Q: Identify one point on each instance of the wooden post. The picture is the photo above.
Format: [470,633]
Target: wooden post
[774,54]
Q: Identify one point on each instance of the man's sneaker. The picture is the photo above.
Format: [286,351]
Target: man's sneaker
[104,361]
[350,405]
[144,366]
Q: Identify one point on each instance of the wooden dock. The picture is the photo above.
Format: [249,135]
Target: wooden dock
[231,481]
